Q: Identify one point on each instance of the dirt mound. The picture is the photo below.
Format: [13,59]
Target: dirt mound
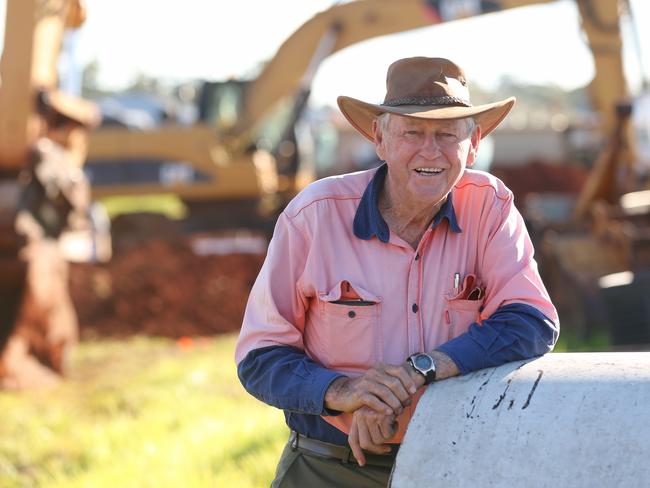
[539,177]
[164,288]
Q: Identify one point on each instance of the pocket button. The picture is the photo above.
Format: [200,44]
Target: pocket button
[352,314]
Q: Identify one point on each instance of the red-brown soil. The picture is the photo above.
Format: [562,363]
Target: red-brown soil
[162,288]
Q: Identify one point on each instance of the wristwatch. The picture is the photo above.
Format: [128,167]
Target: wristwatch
[423,364]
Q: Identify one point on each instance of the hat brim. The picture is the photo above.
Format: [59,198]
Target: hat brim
[361,114]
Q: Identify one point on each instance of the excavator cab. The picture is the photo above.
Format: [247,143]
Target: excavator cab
[220,103]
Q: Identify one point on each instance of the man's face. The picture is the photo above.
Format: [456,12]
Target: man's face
[425,158]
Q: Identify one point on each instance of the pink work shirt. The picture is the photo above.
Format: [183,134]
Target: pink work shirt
[410,299]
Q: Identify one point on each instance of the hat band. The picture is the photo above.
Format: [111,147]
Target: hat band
[446,100]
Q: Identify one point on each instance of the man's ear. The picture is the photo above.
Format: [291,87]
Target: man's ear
[379,137]
[473,150]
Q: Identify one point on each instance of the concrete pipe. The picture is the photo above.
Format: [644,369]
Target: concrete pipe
[562,420]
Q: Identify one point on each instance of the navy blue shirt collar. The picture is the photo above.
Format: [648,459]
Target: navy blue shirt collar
[368,221]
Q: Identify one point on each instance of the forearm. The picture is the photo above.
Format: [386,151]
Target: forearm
[445,366]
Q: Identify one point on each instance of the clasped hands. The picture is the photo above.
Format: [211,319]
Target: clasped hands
[375,400]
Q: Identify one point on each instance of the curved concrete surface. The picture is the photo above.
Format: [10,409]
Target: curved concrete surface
[562,420]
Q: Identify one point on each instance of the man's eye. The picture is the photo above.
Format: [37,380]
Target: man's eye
[448,136]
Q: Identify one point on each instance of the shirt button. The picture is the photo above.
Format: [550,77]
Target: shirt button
[417,256]
[415,308]
[352,314]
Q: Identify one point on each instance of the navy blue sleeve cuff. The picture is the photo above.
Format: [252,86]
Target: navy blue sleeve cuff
[286,378]
[514,332]
[327,411]
[465,352]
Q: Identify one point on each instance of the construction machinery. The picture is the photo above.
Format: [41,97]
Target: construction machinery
[43,191]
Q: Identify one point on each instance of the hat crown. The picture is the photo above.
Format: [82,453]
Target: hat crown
[421,80]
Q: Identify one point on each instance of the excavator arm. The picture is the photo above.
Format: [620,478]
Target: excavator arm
[610,96]
[33,36]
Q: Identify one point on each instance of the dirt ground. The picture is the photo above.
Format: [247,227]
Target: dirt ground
[164,288]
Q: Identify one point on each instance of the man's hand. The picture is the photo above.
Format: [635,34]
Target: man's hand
[385,388]
[370,431]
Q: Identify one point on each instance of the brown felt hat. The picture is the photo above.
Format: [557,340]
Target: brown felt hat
[425,88]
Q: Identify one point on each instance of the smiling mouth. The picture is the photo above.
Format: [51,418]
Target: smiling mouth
[428,171]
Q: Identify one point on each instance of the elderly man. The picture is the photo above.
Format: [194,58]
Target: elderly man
[379,282]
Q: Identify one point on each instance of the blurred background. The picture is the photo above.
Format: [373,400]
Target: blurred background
[146,148]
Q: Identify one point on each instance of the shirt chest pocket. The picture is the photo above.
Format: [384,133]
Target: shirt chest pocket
[460,314]
[463,306]
[349,328]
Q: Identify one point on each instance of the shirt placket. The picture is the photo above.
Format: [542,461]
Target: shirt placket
[414,294]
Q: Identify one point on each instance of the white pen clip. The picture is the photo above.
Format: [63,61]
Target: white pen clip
[456,283]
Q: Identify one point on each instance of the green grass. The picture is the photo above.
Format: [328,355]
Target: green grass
[570,341]
[141,413]
[166,204]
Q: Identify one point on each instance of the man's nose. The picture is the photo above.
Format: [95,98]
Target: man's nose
[430,147]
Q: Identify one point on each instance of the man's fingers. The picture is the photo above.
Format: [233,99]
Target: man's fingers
[386,395]
[397,379]
[376,435]
[387,389]
[394,384]
[374,403]
[388,427]
[353,440]
[365,439]
[405,378]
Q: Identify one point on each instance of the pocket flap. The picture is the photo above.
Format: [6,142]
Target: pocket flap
[344,290]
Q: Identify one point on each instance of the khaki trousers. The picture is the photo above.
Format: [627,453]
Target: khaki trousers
[300,469]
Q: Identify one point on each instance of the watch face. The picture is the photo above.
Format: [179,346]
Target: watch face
[423,362]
